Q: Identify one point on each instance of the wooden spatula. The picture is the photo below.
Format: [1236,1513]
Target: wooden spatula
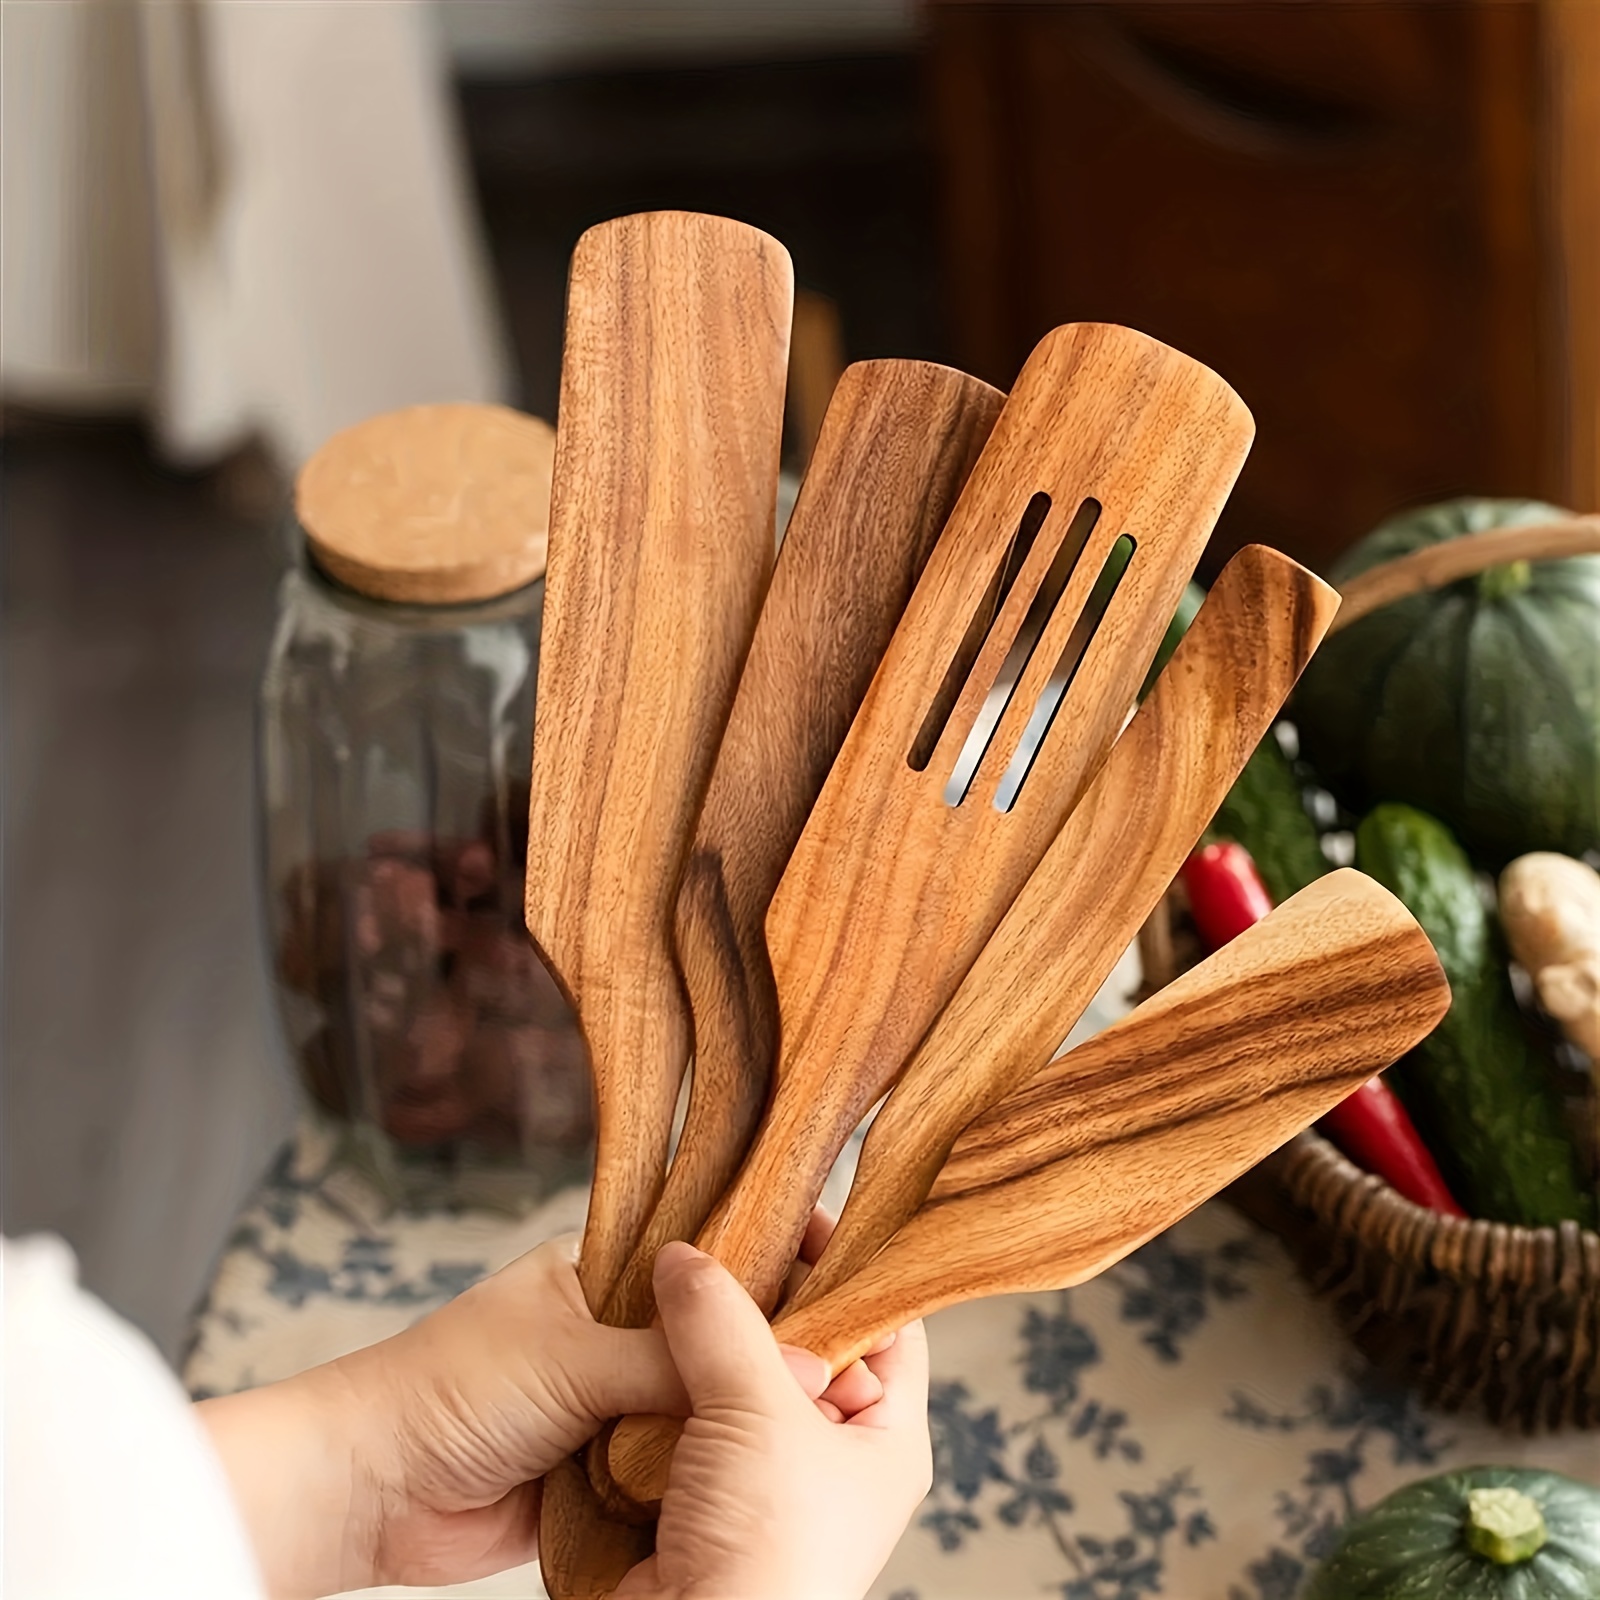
[896,445]
[1123,1136]
[925,829]
[1098,882]
[1126,1133]
[661,543]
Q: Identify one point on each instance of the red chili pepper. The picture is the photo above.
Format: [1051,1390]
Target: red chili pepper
[1375,1131]
[1226,894]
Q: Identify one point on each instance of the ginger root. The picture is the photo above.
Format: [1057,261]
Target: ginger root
[1550,909]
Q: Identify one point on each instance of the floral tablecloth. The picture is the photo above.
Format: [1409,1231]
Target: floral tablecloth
[1188,1424]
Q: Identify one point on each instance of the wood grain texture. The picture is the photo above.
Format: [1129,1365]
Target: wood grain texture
[661,538]
[1119,1138]
[898,442]
[1095,887]
[1278,141]
[1133,1129]
[1332,980]
[891,892]
[583,1552]
[662,506]
[431,505]
[1571,63]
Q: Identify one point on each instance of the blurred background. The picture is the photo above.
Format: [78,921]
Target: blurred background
[230,230]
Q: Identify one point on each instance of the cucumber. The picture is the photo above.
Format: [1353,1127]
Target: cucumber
[1264,813]
[1477,1086]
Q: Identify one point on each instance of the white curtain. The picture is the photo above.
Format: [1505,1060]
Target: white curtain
[249,217]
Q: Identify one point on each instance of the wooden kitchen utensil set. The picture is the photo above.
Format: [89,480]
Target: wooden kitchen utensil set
[876,820]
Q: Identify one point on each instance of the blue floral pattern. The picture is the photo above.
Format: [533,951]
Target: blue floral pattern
[1189,1424]
[1361,1413]
[1169,1290]
[1017,1469]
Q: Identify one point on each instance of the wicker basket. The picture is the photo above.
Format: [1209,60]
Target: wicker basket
[1480,1315]
[1474,1315]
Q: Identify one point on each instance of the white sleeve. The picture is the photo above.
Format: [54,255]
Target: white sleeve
[111,1485]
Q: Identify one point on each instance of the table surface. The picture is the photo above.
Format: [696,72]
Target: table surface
[1190,1423]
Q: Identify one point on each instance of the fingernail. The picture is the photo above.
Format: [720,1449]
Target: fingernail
[809,1369]
[677,1250]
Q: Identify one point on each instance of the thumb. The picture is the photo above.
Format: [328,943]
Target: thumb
[720,1342]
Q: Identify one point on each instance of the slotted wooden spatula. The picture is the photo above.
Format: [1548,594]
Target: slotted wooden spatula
[1119,1138]
[1098,882]
[661,543]
[897,443]
[929,821]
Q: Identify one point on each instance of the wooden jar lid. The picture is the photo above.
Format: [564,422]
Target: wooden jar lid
[432,505]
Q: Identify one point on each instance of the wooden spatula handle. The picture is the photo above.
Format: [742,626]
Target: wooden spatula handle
[661,542]
[1100,879]
[896,445]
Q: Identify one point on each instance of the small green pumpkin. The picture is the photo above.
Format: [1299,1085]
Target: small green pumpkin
[1485,1533]
[1478,702]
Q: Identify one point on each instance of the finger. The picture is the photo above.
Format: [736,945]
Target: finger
[806,1368]
[903,1371]
[724,1350]
[856,1388]
[830,1411]
[613,1371]
[819,1230]
[625,1370]
[878,1349]
[643,1580]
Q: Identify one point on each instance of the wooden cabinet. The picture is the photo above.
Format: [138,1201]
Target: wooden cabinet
[1380,222]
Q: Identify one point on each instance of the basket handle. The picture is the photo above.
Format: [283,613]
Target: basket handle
[1439,564]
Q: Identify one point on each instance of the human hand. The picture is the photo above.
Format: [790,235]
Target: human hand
[417,1460]
[770,1497]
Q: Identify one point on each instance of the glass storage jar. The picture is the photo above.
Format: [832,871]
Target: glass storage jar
[396,728]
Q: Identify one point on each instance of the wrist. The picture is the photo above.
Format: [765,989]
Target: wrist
[309,1483]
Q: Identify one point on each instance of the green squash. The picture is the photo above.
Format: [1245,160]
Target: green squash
[1478,702]
[1265,813]
[1484,1533]
[1478,1088]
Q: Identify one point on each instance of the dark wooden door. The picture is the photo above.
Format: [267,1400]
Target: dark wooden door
[1336,205]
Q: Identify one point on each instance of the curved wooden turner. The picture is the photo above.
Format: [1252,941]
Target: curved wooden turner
[907,861]
[896,445]
[1083,903]
[1132,1129]
[661,542]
